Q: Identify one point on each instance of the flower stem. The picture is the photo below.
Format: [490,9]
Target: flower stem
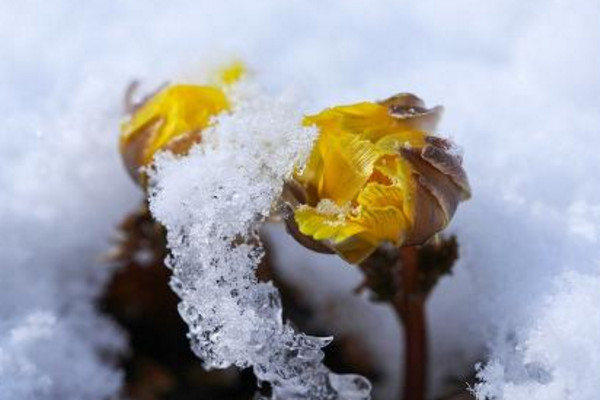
[409,305]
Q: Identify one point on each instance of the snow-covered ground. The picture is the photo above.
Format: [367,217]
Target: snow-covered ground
[521,85]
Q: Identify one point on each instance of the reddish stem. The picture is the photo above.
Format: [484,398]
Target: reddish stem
[410,307]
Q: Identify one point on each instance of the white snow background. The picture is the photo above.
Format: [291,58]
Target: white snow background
[520,81]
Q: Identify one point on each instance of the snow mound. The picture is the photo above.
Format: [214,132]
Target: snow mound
[60,176]
[558,355]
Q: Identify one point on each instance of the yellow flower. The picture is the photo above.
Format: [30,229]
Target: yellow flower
[173,119]
[376,175]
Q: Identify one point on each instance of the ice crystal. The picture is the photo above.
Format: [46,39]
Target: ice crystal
[212,203]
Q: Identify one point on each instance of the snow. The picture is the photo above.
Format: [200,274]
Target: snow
[556,355]
[212,203]
[521,89]
[58,180]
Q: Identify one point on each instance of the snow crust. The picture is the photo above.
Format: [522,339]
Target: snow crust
[212,203]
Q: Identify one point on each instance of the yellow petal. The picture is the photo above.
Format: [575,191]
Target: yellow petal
[401,173]
[361,117]
[396,169]
[378,195]
[393,142]
[232,73]
[382,223]
[347,165]
[368,120]
[180,109]
[327,221]
[400,193]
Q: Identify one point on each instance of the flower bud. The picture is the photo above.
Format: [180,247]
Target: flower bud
[173,120]
[376,175]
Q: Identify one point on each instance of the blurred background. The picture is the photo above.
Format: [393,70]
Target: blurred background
[520,82]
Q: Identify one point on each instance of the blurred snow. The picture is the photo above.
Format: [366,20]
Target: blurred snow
[63,191]
[521,87]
